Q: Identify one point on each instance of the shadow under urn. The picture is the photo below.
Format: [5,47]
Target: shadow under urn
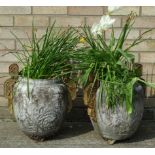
[40,106]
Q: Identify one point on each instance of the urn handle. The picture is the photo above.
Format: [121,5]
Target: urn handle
[9,84]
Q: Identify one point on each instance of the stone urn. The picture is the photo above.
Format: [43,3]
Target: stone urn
[40,106]
[95,125]
[116,124]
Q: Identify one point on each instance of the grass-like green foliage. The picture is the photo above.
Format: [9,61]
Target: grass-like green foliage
[111,64]
[47,57]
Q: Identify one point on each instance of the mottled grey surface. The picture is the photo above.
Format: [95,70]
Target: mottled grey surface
[42,114]
[95,126]
[116,123]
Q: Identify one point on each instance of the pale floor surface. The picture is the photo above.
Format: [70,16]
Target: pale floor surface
[74,135]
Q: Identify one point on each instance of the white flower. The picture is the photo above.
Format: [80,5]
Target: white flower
[113,8]
[96,29]
[106,22]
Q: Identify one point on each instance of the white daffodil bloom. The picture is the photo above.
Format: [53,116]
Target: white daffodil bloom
[113,8]
[96,29]
[106,22]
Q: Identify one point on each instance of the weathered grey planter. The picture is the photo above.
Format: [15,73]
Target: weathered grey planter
[118,124]
[95,125]
[41,114]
